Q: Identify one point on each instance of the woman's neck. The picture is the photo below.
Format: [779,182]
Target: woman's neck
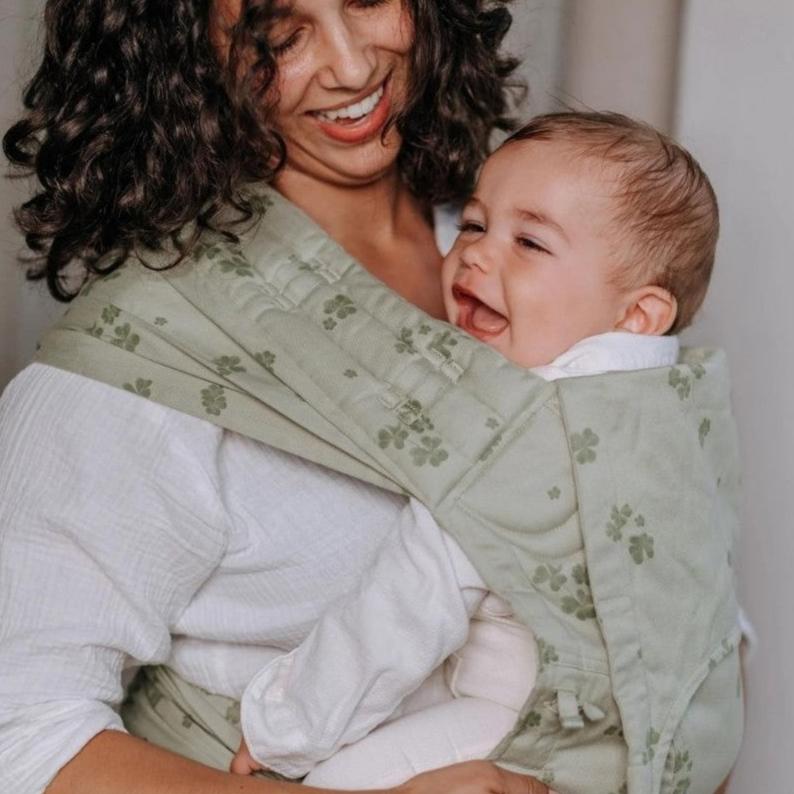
[382,225]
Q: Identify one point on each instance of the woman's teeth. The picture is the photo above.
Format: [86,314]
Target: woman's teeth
[356,111]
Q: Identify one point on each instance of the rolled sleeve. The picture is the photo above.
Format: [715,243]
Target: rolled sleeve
[101,549]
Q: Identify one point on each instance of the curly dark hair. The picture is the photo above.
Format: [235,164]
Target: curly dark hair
[137,132]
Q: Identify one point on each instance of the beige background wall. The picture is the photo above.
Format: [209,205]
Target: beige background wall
[9,43]
[622,55]
[25,310]
[735,109]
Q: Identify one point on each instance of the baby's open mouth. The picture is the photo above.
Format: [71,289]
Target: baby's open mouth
[476,317]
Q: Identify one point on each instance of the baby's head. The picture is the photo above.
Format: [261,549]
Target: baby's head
[581,223]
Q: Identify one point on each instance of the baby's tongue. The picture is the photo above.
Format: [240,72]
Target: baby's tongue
[488,321]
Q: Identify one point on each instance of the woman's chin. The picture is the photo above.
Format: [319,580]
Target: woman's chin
[355,167]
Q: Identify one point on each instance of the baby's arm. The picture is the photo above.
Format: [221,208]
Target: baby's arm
[367,653]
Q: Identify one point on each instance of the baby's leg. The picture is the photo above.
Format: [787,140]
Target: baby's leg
[463,729]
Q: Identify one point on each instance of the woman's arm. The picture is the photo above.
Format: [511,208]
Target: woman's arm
[116,763]
[98,557]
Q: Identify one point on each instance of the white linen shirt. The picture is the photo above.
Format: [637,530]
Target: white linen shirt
[132,534]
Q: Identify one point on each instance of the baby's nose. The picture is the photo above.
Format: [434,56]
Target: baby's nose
[476,256]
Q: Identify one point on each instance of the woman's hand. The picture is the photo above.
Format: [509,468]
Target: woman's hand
[472,777]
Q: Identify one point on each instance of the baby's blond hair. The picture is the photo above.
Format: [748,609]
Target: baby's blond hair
[667,214]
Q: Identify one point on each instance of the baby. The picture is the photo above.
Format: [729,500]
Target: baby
[587,245]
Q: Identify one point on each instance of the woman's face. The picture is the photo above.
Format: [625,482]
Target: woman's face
[343,70]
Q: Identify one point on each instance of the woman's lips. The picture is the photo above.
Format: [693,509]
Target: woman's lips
[477,318]
[364,128]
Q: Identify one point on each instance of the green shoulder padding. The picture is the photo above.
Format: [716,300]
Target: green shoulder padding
[603,508]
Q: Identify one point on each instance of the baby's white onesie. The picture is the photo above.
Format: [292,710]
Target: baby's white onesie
[420,666]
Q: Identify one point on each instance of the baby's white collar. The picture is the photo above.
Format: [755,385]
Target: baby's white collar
[616,351]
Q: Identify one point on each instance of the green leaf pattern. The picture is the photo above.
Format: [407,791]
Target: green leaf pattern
[227,365]
[266,359]
[430,451]
[682,382]
[678,769]
[141,387]
[406,342]
[651,741]
[340,307]
[581,605]
[551,575]
[577,602]
[110,314]
[213,399]
[396,435]
[619,518]
[442,342]
[125,338]
[583,446]
[641,546]
[228,256]
[413,428]
[547,653]
[704,430]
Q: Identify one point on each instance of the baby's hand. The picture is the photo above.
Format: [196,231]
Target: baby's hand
[243,763]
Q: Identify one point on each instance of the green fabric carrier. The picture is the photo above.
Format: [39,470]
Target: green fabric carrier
[602,508]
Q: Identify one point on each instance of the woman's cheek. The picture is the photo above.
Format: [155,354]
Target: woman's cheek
[405,26]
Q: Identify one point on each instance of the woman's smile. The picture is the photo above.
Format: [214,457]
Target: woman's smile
[338,87]
[358,120]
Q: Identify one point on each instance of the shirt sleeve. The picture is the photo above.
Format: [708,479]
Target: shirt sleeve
[368,652]
[109,523]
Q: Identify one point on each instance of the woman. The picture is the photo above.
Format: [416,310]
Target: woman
[143,119]
[129,155]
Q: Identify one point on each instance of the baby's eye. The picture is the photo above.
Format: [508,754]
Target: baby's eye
[470,226]
[528,242]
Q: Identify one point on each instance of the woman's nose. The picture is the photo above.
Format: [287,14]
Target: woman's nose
[348,58]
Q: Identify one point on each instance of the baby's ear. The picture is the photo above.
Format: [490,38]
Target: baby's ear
[648,310]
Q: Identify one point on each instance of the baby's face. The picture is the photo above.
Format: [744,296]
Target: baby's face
[529,272]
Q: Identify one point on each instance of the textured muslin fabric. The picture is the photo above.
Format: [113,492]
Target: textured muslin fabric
[84,464]
[138,534]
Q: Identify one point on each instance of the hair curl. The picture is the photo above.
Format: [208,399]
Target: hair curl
[134,129]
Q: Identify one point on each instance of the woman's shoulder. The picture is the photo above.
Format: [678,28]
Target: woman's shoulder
[47,405]
[79,456]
